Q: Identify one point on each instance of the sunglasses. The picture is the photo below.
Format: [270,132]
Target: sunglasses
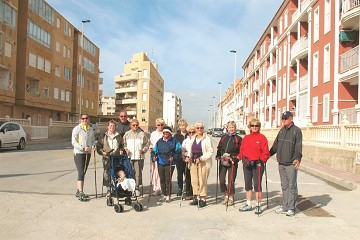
[284,118]
[199,128]
[134,125]
[84,118]
[191,132]
[122,116]
[254,125]
[160,125]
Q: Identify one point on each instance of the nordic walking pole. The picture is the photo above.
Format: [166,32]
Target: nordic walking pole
[267,193]
[151,178]
[230,184]
[217,180]
[170,170]
[184,186]
[95,175]
[258,193]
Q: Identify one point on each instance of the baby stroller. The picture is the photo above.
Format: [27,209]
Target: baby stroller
[121,162]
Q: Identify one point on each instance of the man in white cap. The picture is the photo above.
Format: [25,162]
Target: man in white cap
[288,149]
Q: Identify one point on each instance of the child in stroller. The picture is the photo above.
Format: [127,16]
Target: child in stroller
[122,184]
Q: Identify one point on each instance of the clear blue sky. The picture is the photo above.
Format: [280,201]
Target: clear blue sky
[189,39]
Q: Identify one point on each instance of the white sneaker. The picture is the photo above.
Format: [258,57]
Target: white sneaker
[162,198]
[280,210]
[290,213]
[167,199]
[137,193]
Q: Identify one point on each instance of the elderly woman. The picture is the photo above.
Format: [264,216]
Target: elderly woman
[166,152]
[136,145]
[200,152]
[254,152]
[184,149]
[227,151]
[111,144]
[154,137]
[180,136]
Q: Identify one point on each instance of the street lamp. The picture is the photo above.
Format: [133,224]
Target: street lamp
[82,61]
[233,51]
[211,116]
[220,112]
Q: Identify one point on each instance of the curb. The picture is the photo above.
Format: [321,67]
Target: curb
[341,182]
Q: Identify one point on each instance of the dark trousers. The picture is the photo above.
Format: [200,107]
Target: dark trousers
[106,175]
[165,178]
[251,174]
[180,168]
[82,161]
[188,186]
[222,175]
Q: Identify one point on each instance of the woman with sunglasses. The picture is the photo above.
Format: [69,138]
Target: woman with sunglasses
[154,137]
[184,149]
[180,136]
[200,151]
[83,141]
[136,145]
[254,152]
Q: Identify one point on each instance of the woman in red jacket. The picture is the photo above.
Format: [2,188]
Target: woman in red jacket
[254,152]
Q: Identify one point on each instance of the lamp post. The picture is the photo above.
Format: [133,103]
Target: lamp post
[167,112]
[220,107]
[211,117]
[234,111]
[214,113]
[82,61]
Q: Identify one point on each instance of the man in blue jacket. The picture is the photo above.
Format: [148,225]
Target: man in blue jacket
[288,149]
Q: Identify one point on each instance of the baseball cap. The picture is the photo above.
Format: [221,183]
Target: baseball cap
[286,115]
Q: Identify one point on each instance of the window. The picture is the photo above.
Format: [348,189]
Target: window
[43,10]
[47,66]
[7,14]
[87,103]
[40,63]
[326,107]
[32,60]
[286,19]
[46,92]
[88,46]
[144,97]
[143,109]
[285,52]
[279,58]
[279,89]
[145,73]
[143,119]
[315,103]
[64,51]
[315,69]
[327,16]
[88,65]
[62,97]
[56,93]
[280,26]
[327,63]
[92,104]
[8,49]
[144,85]
[58,23]
[67,96]
[57,71]
[38,34]
[57,46]
[66,33]
[316,24]
[67,73]
[284,86]
[69,53]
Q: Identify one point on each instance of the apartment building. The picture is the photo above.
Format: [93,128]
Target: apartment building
[108,106]
[43,73]
[306,61]
[139,90]
[172,110]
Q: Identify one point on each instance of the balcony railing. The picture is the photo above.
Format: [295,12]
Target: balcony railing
[271,71]
[348,5]
[349,59]
[304,82]
[299,46]
[292,87]
[256,85]
[303,5]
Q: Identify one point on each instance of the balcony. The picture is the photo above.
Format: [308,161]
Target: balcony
[300,49]
[256,85]
[271,99]
[126,88]
[350,14]
[349,66]
[132,100]
[271,72]
[101,80]
[292,90]
[303,82]
[303,5]
[127,77]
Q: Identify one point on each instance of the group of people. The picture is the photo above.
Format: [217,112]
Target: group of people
[190,151]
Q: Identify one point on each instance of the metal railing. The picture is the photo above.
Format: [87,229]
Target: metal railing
[349,59]
[347,5]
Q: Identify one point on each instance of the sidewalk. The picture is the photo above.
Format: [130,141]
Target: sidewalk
[344,179]
[47,140]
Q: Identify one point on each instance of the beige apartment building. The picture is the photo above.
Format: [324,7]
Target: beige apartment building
[139,90]
[40,72]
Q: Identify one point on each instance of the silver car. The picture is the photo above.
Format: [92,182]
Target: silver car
[12,135]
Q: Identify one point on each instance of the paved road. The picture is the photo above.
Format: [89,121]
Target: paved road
[37,201]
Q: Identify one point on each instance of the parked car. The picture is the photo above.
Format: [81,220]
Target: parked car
[96,129]
[241,133]
[209,131]
[217,132]
[12,135]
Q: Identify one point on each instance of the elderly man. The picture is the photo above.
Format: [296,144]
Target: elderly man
[288,149]
[124,125]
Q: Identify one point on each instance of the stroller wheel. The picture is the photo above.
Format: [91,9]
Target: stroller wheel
[138,207]
[109,201]
[128,201]
[118,208]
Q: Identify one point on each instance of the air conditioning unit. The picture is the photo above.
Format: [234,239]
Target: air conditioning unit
[347,36]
